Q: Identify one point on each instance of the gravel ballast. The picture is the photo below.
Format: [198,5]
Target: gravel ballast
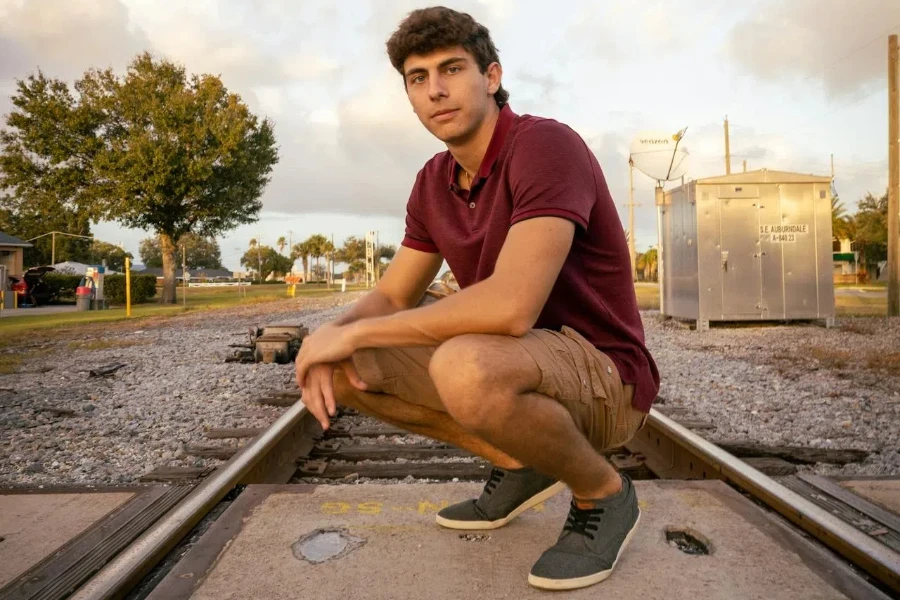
[791,385]
[800,385]
[59,425]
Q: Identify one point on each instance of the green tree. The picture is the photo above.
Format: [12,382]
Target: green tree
[302,251]
[384,253]
[647,264]
[265,261]
[318,246]
[841,222]
[354,249]
[870,224]
[179,154]
[112,254]
[202,252]
[46,155]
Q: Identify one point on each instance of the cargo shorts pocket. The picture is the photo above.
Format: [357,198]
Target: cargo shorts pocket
[571,375]
[605,392]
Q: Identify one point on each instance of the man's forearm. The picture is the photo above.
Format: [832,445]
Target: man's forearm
[482,308]
[373,304]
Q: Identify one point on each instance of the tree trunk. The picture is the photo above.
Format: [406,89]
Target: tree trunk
[305,268]
[167,246]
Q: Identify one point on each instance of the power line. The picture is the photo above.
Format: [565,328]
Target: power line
[850,53]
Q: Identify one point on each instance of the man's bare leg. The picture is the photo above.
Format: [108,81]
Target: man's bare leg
[418,419]
[487,382]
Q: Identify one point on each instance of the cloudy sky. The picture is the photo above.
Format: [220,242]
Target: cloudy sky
[798,80]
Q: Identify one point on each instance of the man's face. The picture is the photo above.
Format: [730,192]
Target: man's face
[449,93]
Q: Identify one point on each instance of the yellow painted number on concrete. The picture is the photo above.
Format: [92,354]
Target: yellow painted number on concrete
[335,508]
[426,507]
[369,508]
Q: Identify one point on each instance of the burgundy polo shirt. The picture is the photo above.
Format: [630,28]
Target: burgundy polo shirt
[537,167]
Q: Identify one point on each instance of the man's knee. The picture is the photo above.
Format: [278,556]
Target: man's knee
[463,372]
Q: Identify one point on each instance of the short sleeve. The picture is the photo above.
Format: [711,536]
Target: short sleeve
[552,174]
[416,235]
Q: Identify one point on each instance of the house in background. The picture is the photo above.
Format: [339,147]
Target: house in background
[847,268]
[12,261]
[71,267]
[12,254]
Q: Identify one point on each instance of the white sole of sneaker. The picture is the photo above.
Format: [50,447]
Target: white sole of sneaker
[588,580]
[534,500]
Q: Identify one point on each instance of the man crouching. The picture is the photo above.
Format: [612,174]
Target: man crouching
[538,363]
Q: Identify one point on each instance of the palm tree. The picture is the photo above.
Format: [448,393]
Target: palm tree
[281,243]
[841,222]
[650,259]
[386,251]
[302,251]
[254,243]
[318,246]
[328,251]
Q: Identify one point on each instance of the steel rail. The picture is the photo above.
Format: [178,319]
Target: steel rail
[119,576]
[863,551]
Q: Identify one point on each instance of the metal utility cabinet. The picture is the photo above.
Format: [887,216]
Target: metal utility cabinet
[752,246]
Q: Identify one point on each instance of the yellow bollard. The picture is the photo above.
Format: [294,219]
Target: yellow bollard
[2,301]
[127,287]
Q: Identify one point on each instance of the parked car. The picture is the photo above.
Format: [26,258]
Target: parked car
[31,288]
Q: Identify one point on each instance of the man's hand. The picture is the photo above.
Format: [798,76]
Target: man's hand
[318,393]
[329,344]
[330,347]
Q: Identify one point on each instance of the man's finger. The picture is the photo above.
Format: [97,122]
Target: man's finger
[353,376]
[325,380]
[312,398]
[302,369]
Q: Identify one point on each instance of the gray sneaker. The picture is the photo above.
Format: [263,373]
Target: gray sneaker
[507,494]
[590,544]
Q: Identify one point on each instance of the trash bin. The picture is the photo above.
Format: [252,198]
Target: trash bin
[83,296]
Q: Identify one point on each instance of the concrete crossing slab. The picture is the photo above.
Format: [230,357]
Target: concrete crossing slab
[381,541]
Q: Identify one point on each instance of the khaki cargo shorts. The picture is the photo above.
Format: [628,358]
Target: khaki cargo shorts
[573,372]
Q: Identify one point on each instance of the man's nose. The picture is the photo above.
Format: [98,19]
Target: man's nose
[436,88]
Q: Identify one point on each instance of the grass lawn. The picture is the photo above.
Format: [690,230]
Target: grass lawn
[14,329]
[845,305]
[19,329]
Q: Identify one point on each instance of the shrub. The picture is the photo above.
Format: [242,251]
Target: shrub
[62,287]
[143,288]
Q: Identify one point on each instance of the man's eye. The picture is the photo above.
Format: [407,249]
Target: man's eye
[453,70]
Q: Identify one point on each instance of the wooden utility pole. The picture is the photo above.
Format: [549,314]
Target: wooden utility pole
[745,165]
[727,150]
[631,205]
[893,177]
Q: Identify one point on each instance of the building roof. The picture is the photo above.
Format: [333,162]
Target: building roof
[765,176]
[8,240]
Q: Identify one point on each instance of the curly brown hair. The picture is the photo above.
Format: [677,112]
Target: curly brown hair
[428,29]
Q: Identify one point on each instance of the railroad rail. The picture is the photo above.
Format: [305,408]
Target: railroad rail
[293,448]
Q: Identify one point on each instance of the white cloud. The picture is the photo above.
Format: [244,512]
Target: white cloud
[349,141]
[841,45]
[65,38]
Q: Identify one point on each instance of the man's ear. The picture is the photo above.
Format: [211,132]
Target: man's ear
[494,74]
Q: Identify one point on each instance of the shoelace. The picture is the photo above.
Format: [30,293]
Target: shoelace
[493,480]
[583,520]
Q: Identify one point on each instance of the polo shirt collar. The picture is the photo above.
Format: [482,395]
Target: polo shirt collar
[501,128]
